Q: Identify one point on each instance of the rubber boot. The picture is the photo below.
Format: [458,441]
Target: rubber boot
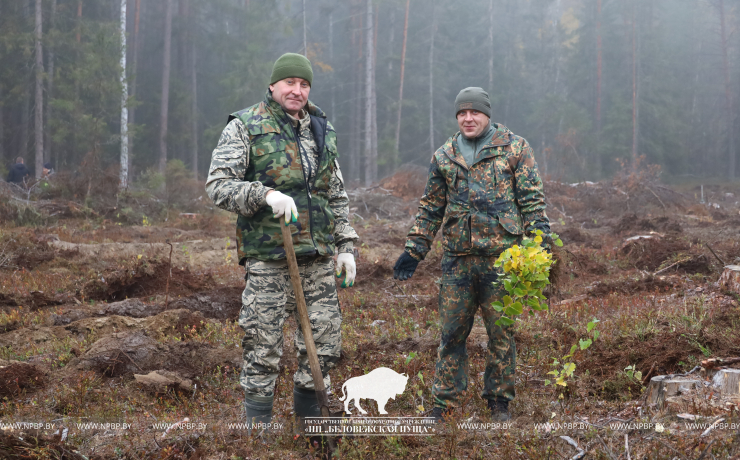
[305,404]
[258,411]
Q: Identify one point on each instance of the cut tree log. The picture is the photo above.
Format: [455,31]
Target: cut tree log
[160,381]
[664,386]
[727,381]
[730,278]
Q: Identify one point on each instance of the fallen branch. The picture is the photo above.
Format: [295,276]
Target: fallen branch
[656,196]
[607,451]
[703,454]
[627,445]
[716,362]
[711,427]
[715,254]
[648,375]
[169,274]
[672,265]
[581,453]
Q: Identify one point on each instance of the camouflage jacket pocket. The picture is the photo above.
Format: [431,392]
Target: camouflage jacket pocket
[456,231]
[510,219]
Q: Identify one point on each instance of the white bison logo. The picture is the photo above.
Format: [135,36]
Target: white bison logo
[381,385]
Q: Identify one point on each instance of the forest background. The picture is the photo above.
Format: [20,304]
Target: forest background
[594,85]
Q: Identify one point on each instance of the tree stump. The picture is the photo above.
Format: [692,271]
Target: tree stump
[727,381]
[663,386]
[730,278]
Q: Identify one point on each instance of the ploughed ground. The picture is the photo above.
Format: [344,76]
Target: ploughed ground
[111,334]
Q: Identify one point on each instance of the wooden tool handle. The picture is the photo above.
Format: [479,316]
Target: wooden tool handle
[300,300]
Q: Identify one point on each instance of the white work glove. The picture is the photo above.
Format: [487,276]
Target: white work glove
[346,263]
[282,205]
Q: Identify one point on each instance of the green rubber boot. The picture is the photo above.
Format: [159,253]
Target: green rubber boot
[258,411]
[305,404]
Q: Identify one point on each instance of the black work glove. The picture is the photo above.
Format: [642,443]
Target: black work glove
[405,267]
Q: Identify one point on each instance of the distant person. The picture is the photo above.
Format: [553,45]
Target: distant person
[18,172]
[276,164]
[485,192]
[48,170]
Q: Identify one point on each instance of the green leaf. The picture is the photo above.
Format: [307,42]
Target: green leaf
[497,304]
[421,377]
[558,242]
[584,343]
[507,300]
[505,321]
[638,375]
[596,334]
[519,292]
[573,349]
[555,373]
[518,308]
[534,303]
[547,382]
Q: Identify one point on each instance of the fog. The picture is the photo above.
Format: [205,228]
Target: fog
[595,86]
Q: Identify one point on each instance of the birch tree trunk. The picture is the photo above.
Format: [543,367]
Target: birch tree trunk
[39,104]
[305,42]
[369,70]
[634,90]
[597,156]
[49,86]
[123,179]
[731,165]
[164,106]
[490,45]
[332,64]
[134,66]
[403,66]
[194,94]
[374,114]
[431,82]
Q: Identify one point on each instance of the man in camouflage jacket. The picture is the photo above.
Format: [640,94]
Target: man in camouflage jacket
[278,159]
[485,191]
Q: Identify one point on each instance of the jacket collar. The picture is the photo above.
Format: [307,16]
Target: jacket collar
[501,137]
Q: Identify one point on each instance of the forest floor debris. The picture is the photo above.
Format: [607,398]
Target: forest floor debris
[87,339]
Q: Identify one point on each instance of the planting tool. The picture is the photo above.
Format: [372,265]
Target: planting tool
[300,300]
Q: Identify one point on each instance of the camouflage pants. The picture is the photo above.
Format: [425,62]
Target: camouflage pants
[266,301]
[467,283]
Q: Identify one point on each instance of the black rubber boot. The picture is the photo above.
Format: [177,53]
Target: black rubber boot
[439,414]
[258,411]
[499,409]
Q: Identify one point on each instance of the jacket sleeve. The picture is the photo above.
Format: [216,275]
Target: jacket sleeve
[344,235]
[530,195]
[225,185]
[431,213]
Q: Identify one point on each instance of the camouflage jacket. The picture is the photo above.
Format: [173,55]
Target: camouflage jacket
[260,150]
[485,208]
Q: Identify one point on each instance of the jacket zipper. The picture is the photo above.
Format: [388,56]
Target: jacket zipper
[308,188]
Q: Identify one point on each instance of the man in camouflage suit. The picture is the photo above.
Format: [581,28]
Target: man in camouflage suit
[485,191]
[278,159]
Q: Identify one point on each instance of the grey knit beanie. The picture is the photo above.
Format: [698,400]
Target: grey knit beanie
[473,98]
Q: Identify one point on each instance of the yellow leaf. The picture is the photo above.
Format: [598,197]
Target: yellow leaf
[538,239]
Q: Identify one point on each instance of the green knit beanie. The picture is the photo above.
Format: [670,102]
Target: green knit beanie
[473,98]
[291,65]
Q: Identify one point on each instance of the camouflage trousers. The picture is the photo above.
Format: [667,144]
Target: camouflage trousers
[467,283]
[267,301]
